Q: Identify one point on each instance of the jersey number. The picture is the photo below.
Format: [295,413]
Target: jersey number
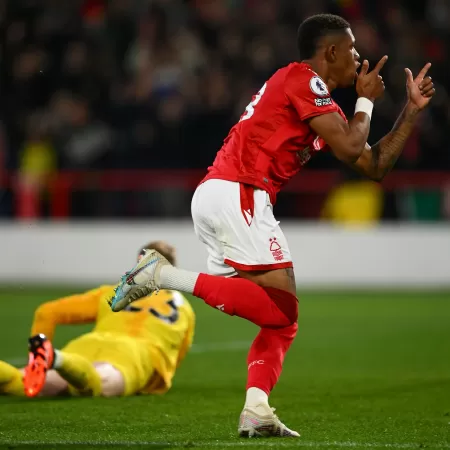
[170,318]
[251,106]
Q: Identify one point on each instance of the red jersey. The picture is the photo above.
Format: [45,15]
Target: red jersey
[272,140]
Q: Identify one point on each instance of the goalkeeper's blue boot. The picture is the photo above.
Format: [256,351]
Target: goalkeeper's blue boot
[141,281]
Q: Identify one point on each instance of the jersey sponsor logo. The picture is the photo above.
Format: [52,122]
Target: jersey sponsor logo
[304,156]
[318,86]
[323,101]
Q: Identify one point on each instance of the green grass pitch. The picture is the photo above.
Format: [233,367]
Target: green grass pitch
[368,370]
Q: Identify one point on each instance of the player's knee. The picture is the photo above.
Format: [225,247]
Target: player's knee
[288,333]
[280,321]
[112,381]
[54,385]
[291,330]
[285,308]
[292,313]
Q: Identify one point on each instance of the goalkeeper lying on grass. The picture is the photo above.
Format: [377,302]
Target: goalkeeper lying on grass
[135,351]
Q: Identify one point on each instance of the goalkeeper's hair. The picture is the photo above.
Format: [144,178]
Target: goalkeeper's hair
[314,28]
[162,247]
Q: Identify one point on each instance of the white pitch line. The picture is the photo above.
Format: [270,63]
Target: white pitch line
[196,349]
[248,443]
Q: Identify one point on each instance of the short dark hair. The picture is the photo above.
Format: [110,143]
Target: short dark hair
[162,247]
[314,28]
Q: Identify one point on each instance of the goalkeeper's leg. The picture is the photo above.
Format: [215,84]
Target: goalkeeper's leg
[11,382]
[79,372]
[81,375]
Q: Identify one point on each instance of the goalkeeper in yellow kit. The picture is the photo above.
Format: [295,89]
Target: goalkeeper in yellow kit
[135,351]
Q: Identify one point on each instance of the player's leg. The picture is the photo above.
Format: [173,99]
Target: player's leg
[75,369]
[274,307]
[125,366]
[270,291]
[122,362]
[112,380]
[256,247]
[265,362]
[259,254]
[79,372]
[55,385]
[11,382]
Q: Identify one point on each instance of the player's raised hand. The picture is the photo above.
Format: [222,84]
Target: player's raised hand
[420,89]
[370,84]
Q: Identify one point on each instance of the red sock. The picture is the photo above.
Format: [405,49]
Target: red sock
[265,307]
[266,356]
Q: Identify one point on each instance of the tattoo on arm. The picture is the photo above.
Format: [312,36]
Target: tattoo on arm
[291,275]
[386,152]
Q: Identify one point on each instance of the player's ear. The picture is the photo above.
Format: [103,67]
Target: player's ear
[330,53]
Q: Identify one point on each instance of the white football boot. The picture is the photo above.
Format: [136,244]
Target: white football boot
[141,281]
[261,421]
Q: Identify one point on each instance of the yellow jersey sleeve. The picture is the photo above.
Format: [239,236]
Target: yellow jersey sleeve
[189,336]
[75,309]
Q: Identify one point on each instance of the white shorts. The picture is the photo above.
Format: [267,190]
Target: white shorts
[237,224]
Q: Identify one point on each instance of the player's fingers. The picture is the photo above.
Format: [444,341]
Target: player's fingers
[380,64]
[364,68]
[423,72]
[426,86]
[429,92]
[426,83]
[409,76]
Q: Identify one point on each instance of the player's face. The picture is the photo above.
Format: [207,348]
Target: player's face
[347,60]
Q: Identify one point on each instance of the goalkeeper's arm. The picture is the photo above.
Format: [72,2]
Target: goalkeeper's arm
[76,309]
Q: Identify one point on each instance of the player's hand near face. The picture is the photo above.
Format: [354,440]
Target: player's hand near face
[380,159]
[348,140]
[420,90]
[370,85]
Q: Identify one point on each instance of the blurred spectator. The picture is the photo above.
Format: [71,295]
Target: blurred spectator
[354,202]
[82,141]
[38,158]
[36,164]
[125,84]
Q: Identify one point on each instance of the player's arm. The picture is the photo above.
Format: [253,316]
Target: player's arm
[348,139]
[76,309]
[188,338]
[377,161]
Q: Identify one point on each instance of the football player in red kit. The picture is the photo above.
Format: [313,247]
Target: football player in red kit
[290,119]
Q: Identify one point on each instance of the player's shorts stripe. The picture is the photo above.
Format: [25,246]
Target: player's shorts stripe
[251,267]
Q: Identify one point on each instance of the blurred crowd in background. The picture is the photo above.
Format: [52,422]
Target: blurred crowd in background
[132,84]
